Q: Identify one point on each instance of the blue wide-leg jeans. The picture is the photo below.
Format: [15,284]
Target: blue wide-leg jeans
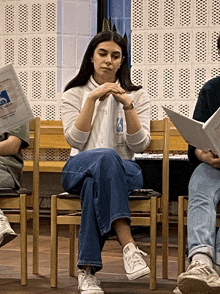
[104,181]
[204,195]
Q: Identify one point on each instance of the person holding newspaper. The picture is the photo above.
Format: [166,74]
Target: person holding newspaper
[11,164]
[202,275]
[107,119]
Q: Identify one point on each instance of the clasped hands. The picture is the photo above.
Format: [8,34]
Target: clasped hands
[104,90]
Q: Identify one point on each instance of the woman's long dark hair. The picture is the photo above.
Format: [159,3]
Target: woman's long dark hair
[87,68]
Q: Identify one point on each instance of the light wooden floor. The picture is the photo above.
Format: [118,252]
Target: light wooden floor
[112,275]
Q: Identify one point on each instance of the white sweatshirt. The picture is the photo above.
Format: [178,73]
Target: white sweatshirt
[108,123]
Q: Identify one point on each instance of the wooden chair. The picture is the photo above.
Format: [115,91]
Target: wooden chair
[146,209]
[22,205]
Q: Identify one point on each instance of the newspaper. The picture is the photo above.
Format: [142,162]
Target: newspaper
[15,109]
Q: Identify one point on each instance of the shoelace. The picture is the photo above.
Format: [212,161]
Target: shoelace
[202,268]
[2,220]
[90,281]
[134,257]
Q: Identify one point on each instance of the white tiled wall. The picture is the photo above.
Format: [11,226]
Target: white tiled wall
[45,40]
[174,50]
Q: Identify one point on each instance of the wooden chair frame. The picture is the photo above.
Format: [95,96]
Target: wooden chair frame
[22,205]
[154,209]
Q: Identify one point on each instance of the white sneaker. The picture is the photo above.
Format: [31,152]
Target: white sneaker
[177,291]
[134,264]
[199,278]
[88,284]
[6,232]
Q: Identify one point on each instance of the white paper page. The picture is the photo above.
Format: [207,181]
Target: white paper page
[212,129]
[14,107]
[191,130]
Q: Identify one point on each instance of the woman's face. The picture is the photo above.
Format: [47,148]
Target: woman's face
[106,59]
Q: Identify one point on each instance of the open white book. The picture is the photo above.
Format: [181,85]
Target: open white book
[205,136]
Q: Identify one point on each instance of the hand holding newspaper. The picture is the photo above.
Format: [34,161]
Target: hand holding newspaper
[205,136]
[14,106]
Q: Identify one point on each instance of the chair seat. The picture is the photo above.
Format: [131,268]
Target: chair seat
[66,195]
[8,192]
[137,194]
[144,194]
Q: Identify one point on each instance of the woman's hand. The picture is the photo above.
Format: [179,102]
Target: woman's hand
[106,89]
[103,91]
[208,157]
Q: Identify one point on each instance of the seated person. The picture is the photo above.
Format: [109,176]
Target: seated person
[202,275]
[11,164]
[107,119]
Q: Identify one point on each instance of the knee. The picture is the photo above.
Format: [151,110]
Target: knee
[109,154]
[194,184]
[203,184]
[109,160]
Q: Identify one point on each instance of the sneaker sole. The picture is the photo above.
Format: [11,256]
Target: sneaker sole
[196,286]
[7,238]
[138,274]
[91,292]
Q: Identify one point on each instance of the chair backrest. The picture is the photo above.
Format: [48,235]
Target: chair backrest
[176,142]
[160,144]
[52,135]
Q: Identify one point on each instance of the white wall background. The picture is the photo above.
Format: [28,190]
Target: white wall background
[174,50]
[45,40]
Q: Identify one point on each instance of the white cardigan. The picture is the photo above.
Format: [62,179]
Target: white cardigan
[108,124]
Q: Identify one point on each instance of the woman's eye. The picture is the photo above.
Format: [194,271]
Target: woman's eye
[102,54]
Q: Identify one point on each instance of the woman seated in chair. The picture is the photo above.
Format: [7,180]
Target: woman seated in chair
[11,164]
[107,119]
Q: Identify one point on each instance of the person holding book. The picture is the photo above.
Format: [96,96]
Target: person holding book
[106,118]
[11,164]
[202,275]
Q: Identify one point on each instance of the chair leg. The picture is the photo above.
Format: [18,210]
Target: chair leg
[165,241]
[181,242]
[73,251]
[153,243]
[54,242]
[23,235]
[36,238]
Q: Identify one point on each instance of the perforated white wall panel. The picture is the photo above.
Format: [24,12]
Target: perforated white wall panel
[45,40]
[174,50]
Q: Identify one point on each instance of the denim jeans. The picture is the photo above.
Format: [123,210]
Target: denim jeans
[204,195]
[104,181]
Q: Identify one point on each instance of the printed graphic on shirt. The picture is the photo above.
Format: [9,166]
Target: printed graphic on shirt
[119,124]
